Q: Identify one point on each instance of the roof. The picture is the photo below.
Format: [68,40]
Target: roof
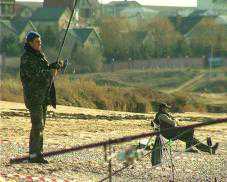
[8,24]
[222,19]
[185,12]
[165,8]
[187,22]
[93,3]
[221,5]
[124,3]
[196,28]
[168,13]
[213,4]
[81,33]
[17,26]
[48,14]
[132,11]
[173,11]
[31,5]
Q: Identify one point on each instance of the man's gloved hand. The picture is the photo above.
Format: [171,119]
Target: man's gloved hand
[56,65]
[61,63]
[54,72]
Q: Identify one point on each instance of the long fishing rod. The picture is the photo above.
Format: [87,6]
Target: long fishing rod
[66,31]
[65,64]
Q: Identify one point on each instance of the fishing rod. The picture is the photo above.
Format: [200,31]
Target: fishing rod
[66,62]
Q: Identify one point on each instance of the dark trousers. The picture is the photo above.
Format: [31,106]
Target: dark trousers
[183,135]
[38,118]
[187,136]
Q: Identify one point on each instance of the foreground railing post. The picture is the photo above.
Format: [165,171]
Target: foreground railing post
[105,153]
[171,160]
[110,163]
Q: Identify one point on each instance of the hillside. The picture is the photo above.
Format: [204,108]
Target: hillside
[135,90]
[163,80]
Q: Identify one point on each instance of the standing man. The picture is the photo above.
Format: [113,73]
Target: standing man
[36,76]
[164,121]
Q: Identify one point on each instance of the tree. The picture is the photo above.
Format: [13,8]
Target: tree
[87,59]
[162,39]
[208,37]
[113,31]
[10,45]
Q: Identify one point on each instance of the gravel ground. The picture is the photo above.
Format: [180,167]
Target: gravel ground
[89,165]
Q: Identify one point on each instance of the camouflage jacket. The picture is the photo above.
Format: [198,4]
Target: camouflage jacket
[36,76]
[164,120]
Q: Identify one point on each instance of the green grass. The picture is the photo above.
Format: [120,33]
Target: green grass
[152,78]
[163,80]
[214,85]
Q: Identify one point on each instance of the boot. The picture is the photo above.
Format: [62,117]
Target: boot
[37,158]
[202,147]
[214,148]
[209,141]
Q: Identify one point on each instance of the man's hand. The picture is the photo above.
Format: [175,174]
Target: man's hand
[61,63]
[56,65]
[54,72]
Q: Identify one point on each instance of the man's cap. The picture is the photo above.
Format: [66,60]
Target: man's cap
[163,104]
[31,35]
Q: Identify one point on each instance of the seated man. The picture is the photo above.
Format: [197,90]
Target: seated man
[164,120]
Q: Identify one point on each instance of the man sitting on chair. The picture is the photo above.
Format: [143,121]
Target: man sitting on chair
[164,121]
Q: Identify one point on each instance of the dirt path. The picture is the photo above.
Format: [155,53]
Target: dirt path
[189,85]
[69,126]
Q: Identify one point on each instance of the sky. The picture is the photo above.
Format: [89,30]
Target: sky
[190,3]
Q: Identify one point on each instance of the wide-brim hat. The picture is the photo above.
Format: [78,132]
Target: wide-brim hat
[165,105]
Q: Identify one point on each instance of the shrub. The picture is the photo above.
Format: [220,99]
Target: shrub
[10,46]
[87,59]
[85,93]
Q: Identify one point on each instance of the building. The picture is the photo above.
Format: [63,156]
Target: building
[216,5]
[82,37]
[25,9]
[52,17]
[85,8]
[114,8]
[7,8]
[16,27]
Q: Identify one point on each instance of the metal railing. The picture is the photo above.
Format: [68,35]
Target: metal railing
[121,140]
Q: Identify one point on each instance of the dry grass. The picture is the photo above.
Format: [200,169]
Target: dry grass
[84,92]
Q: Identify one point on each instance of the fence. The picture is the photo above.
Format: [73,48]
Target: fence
[160,64]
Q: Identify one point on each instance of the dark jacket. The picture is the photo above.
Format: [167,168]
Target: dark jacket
[164,120]
[36,76]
